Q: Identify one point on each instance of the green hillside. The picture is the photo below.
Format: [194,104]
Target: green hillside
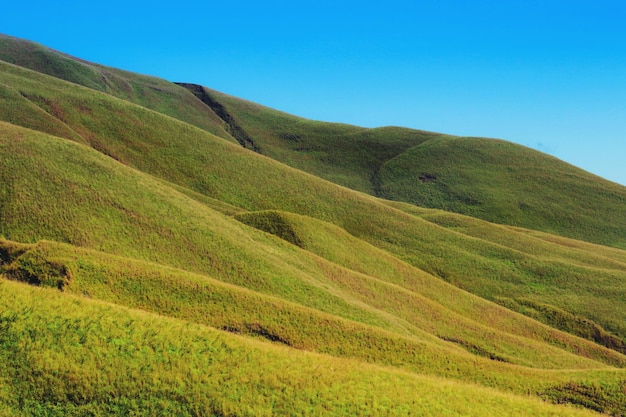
[194,159]
[508,184]
[223,282]
[347,155]
[489,179]
[73,356]
[151,92]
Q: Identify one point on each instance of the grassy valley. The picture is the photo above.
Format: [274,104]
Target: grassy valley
[202,244]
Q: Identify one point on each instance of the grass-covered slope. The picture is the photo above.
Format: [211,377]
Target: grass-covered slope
[337,246]
[201,299]
[489,179]
[151,92]
[65,355]
[344,154]
[55,189]
[120,207]
[103,199]
[508,184]
[74,193]
[194,159]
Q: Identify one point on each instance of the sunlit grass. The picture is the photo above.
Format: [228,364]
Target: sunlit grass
[139,209]
[74,357]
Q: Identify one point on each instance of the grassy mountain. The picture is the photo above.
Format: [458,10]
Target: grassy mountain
[489,179]
[151,92]
[225,282]
[508,184]
[492,180]
[192,158]
[341,153]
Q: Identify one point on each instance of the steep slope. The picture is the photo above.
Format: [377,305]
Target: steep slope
[492,180]
[508,184]
[143,210]
[347,155]
[207,165]
[331,242]
[65,190]
[489,179]
[151,92]
[55,189]
[154,365]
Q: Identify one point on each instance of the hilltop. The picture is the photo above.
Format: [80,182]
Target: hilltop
[206,244]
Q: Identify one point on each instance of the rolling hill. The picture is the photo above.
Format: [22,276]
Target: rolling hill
[493,180]
[202,244]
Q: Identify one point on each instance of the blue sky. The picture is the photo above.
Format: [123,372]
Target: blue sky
[550,75]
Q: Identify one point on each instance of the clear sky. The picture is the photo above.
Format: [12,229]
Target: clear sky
[550,75]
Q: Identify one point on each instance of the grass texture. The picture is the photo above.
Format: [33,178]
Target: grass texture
[170,238]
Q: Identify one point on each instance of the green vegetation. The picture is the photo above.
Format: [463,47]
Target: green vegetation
[508,184]
[344,154]
[227,283]
[493,180]
[489,179]
[150,92]
[71,356]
